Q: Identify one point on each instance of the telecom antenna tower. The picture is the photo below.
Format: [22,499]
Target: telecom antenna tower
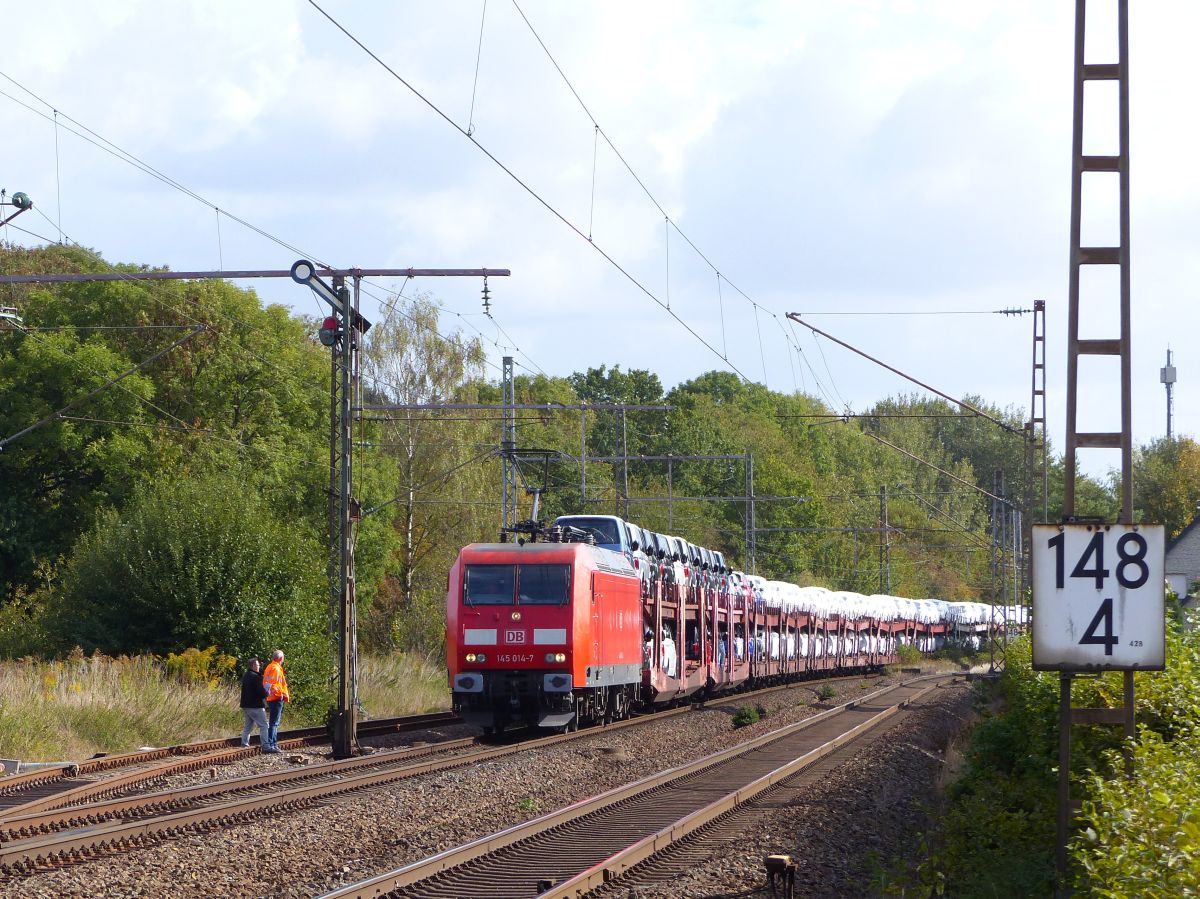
[1167,376]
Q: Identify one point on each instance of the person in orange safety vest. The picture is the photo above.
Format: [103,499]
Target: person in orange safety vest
[275,682]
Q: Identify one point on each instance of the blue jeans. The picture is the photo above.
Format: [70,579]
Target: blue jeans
[274,713]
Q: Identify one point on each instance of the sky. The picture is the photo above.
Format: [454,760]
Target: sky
[665,180]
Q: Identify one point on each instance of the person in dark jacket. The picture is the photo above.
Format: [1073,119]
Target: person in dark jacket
[254,695]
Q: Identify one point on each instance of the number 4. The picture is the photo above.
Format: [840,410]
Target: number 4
[1103,618]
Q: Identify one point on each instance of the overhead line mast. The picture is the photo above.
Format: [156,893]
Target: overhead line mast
[1123,600]
[342,332]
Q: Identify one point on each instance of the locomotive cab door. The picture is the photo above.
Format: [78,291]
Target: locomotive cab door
[597,623]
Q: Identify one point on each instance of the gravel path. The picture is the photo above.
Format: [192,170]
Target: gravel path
[304,853]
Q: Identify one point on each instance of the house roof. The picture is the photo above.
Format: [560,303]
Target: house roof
[1184,533]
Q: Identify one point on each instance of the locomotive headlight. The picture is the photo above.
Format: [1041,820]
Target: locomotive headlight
[480,657]
[556,657]
[471,657]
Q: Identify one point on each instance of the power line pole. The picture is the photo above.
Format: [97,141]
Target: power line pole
[671,499]
[625,466]
[1055,643]
[1037,403]
[1037,469]
[347,353]
[1000,519]
[508,445]
[751,524]
[583,457]
[885,546]
[343,332]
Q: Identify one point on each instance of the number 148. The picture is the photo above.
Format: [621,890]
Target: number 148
[1132,570]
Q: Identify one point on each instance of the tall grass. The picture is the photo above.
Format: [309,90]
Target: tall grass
[78,706]
[73,708]
[401,685]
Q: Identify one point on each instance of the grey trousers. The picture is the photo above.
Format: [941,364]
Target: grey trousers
[254,717]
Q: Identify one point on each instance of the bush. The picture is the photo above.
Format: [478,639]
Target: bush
[422,626]
[826,692]
[745,715]
[958,653]
[909,654]
[1139,838]
[200,666]
[401,684]
[23,627]
[997,832]
[1143,836]
[74,707]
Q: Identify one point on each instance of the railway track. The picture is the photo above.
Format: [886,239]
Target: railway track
[66,827]
[572,851]
[93,779]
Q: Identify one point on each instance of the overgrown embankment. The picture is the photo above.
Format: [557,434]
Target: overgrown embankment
[72,708]
[1133,839]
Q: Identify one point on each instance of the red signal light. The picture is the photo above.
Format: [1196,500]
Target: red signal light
[329,332]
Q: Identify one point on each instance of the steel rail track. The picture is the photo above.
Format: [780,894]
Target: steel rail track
[32,833]
[668,838]
[143,805]
[72,784]
[749,820]
[571,851]
[34,837]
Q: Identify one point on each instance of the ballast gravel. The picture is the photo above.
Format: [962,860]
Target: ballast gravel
[871,805]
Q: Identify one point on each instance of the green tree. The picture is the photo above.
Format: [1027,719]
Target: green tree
[1167,482]
[55,477]
[249,393]
[612,430]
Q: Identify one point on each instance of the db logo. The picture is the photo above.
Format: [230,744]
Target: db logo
[514,636]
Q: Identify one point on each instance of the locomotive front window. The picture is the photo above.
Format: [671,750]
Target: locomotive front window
[490,585]
[545,585]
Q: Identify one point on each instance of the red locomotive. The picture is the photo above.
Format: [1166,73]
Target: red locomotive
[546,634]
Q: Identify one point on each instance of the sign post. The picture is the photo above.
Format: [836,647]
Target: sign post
[1098,605]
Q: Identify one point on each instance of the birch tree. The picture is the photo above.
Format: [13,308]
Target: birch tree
[442,494]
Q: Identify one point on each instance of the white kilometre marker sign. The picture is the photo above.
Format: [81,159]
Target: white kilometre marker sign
[1098,597]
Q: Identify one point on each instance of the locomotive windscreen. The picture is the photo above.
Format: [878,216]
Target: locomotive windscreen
[490,585]
[545,585]
[497,585]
